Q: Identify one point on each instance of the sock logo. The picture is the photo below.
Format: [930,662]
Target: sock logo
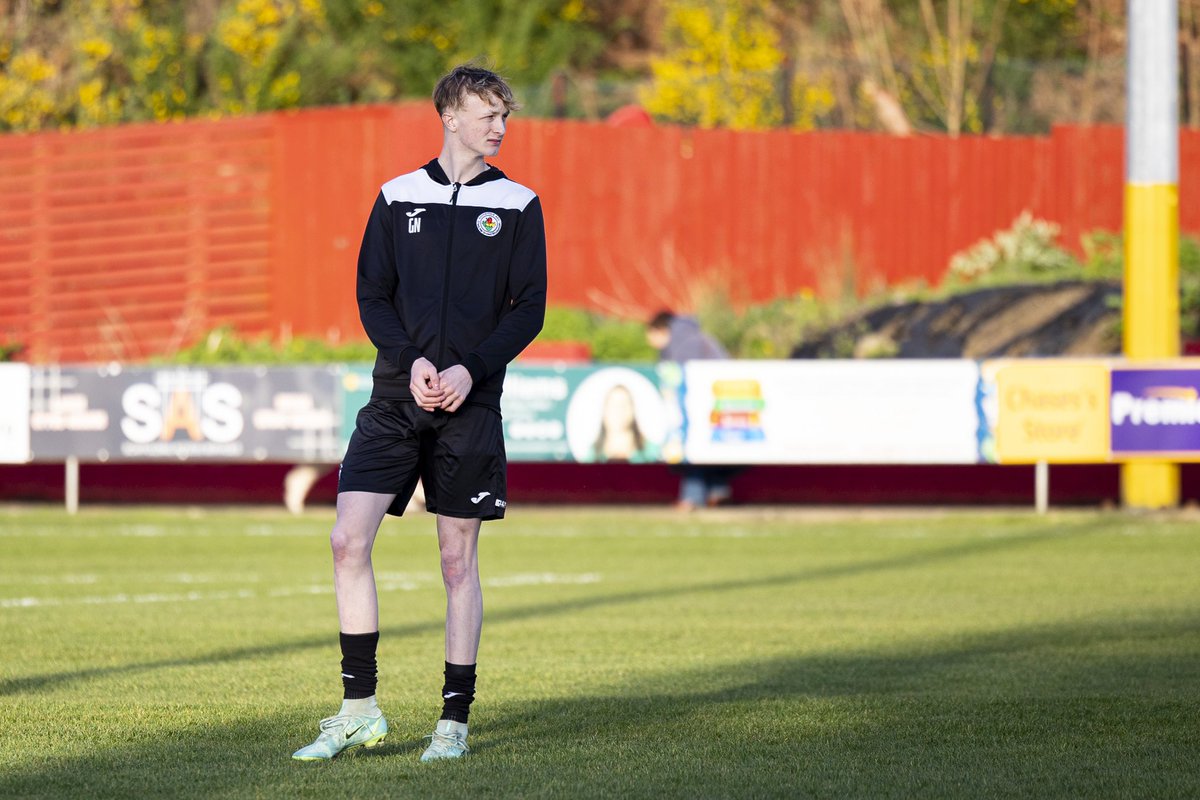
[344,675]
[477,498]
[448,695]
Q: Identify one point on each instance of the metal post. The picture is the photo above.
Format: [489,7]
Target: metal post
[1041,486]
[1151,308]
[72,487]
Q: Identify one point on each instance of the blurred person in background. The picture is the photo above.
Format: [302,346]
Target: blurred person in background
[680,339]
[451,287]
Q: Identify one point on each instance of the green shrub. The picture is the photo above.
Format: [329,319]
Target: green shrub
[1104,257]
[224,345]
[565,324]
[767,330]
[1027,251]
[610,338]
[11,351]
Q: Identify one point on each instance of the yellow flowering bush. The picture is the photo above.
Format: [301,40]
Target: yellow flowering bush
[27,92]
[96,62]
[249,62]
[722,67]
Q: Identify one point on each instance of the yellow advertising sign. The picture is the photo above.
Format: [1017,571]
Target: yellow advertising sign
[1053,411]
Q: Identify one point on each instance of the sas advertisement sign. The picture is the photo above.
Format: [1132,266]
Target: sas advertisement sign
[184,413]
[1155,412]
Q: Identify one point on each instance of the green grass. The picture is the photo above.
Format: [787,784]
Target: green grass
[183,653]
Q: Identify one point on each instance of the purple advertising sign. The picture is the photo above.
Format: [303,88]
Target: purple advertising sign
[1155,411]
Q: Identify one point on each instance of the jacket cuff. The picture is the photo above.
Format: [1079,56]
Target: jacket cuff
[404,358]
[476,367]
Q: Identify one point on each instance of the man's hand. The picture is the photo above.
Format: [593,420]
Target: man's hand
[426,385]
[456,384]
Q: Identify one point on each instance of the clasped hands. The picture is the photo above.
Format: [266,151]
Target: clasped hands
[432,390]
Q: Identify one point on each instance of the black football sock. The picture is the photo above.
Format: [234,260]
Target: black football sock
[459,691]
[358,664]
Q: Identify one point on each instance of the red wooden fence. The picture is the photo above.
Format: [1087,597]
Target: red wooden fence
[123,243]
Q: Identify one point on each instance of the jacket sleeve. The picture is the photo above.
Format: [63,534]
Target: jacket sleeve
[527,298]
[376,289]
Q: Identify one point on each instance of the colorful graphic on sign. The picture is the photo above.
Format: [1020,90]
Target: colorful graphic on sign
[1155,412]
[737,411]
[1053,411]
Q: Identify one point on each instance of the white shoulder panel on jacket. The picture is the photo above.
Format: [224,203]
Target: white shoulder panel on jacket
[501,193]
[415,187]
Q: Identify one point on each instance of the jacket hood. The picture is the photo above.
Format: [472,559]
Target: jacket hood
[439,175]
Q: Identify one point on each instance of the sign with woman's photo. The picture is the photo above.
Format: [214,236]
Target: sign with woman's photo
[588,414]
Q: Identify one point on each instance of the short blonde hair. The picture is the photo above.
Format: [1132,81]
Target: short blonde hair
[466,79]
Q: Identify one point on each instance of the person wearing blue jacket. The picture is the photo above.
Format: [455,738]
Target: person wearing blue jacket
[680,339]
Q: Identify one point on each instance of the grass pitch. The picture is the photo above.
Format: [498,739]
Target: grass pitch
[185,653]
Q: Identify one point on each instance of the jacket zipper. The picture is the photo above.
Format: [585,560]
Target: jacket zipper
[446,279]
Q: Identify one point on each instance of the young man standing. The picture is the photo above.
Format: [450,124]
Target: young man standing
[451,287]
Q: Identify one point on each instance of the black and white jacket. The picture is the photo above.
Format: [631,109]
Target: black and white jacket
[452,272]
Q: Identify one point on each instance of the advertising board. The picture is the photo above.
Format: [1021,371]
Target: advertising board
[831,412]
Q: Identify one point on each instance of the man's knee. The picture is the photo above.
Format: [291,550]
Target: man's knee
[457,566]
[349,545]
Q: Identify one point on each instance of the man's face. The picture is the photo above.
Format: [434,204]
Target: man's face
[479,124]
[658,337]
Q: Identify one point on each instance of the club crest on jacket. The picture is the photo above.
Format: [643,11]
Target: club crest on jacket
[488,223]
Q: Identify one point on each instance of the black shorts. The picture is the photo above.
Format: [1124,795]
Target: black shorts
[458,456]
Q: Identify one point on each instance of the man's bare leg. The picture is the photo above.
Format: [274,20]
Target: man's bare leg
[458,541]
[359,722]
[359,515]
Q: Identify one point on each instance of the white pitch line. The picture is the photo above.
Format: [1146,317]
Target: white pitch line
[390,584]
[51,580]
[541,579]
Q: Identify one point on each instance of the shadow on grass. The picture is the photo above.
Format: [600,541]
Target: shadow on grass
[35,684]
[1104,708]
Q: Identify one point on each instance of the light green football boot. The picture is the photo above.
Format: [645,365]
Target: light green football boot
[449,740]
[341,733]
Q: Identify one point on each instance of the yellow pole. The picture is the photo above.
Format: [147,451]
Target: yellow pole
[1151,307]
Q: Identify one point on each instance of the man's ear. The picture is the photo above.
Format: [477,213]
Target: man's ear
[449,121]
